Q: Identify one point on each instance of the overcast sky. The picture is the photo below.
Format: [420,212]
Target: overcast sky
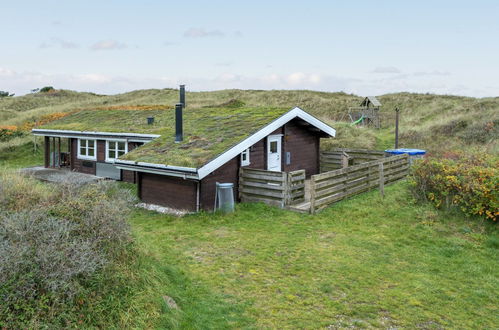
[362,47]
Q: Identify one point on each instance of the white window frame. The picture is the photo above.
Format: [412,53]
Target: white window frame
[247,161]
[86,157]
[115,142]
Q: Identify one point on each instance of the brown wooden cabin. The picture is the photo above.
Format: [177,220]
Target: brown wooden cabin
[289,143]
[286,143]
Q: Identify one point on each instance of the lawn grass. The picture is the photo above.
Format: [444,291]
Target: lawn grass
[364,262]
[24,155]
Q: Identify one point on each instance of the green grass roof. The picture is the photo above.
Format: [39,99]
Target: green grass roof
[113,121]
[208,132]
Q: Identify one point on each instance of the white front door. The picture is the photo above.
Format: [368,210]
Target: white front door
[274,153]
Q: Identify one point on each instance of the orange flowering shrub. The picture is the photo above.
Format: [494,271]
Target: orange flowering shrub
[9,132]
[27,126]
[470,182]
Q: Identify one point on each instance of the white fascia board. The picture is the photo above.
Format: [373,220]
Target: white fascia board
[117,162]
[82,134]
[184,175]
[267,130]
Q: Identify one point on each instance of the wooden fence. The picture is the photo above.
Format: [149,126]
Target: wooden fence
[341,158]
[296,187]
[274,188]
[330,187]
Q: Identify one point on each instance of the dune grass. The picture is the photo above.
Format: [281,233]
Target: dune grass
[426,120]
[364,262]
[21,153]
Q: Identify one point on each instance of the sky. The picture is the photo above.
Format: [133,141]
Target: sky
[361,47]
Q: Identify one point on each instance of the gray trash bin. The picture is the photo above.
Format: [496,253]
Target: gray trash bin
[224,197]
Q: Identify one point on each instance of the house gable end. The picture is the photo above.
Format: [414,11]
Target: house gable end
[254,138]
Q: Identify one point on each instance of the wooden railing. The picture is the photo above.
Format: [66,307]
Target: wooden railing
[263,186]
[296,187]
[274,188]
[330,187]
[342,157]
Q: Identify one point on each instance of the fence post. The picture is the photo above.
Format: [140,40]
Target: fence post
[240,188]
[381,180]
[285,191]
[312,195]
[344,160]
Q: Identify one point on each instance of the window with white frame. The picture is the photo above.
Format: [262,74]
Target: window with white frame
[245,157]
[115,149]
[86,149]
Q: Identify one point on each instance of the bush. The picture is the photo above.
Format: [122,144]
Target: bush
[49,256]
[46,89]
[9,132]
[470,182]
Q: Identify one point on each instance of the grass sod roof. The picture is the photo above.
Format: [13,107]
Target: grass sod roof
[113,121]
[208,132]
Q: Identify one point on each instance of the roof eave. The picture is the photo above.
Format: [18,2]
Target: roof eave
[104,135]
[186,172]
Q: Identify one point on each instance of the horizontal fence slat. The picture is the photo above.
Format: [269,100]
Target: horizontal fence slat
[245,184]
[277,203]
[335,185]
[262,177]
[262,192]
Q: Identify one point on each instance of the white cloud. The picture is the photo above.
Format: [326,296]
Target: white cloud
[108,45]
[202,33]
[385,69]
[58,42]
[431,73]
[22,82]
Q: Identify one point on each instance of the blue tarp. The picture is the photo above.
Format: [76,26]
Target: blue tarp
[401,151]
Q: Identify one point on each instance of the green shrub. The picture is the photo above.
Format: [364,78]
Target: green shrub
[46,89]
[55,241]
[470,182]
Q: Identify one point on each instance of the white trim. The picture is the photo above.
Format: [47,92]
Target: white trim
[267,130]
[111,160]
[119,162]
[39,131]
[246,162]
[84,157]
[156,170]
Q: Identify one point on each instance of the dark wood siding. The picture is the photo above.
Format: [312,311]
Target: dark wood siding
[303,146]
[101,151]
[168,191]
[128,176]
[46,148]
[80,165]
[258,159]
[225,174]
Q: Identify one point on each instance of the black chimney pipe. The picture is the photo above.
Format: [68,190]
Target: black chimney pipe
[179,131]
[182,95]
